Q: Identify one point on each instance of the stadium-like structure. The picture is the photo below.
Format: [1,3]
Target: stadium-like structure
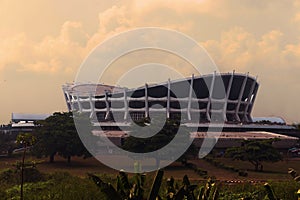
[195,99]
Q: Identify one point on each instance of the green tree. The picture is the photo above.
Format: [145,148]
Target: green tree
[255,152]
[58,135]
[7,143]
[162,138]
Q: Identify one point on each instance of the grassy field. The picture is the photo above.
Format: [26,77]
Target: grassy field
[272,171]
[54,183]
[80,167]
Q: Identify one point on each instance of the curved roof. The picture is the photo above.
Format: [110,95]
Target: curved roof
[230,94]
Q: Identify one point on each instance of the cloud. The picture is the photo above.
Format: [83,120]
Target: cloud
[51,55]
[276,64]
[65,52]
[261,37]
[241,49]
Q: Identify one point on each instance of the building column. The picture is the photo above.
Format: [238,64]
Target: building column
[107,105]
[125,104]
[68,100]
[79,104]
[252,99]
[228,94]
[146,101]
[92,105]
[72,102]
[210,96]
[249,99]
[240,98]
[190,98]
[168,99]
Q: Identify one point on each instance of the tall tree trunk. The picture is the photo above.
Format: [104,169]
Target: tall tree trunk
[256,166]
[69,159]
[51,159]
[261,167]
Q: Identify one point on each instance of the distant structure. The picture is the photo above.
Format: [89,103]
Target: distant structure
[24,122]
[195,100]
[20,123]
[270,120]
[27,118]
[194,97]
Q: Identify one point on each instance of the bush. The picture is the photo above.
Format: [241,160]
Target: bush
[63,186]
[285,189]
[12,176]
[220,164]
[59,186]
[243,173]
[201,172]
[198,170]
[7,176]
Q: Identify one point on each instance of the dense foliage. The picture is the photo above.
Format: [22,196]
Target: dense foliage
[63,186]
[57,186]
[170,189]
[169,129]
[58,135]
[255,151]
[7,143]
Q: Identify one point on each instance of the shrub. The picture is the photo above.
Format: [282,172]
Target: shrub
[59,186]
[12,176]
[243,173]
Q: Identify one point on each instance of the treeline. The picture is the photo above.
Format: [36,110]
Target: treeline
[57,135]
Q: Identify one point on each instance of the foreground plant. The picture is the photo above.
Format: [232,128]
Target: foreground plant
[296,177]
[127,190]
[26,140]
[270,193]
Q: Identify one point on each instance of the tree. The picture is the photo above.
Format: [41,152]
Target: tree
[162,138]
[7,143]
[58,135]
[255,152]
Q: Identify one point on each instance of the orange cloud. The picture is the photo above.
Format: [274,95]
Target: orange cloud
[51,55]
[264,43]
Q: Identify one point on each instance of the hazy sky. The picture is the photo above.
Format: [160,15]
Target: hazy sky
[43,42]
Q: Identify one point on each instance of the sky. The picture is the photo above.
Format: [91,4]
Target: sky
[44,42]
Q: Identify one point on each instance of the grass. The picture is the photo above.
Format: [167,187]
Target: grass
[272,171]
[80,167]
[64,181]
